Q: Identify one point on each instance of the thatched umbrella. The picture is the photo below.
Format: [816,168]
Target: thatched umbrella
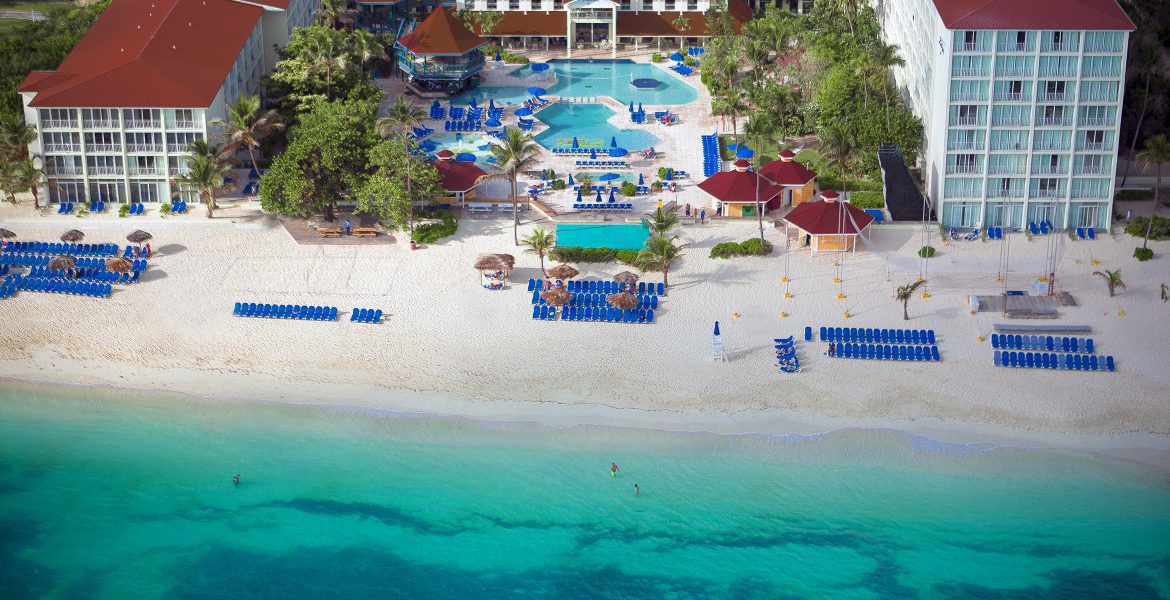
[6,234]
[509,261]
[622,300]
[563,272]
[138,236]
[119,265]
[628,278]
[558,296]
[72,235]
[489,262]
[63,263]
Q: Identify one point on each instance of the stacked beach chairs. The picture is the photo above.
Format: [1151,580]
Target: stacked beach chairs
[710,154]
[786,359]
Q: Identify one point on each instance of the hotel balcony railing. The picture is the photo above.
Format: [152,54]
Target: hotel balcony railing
[964,145]
[144,147]
[1066,72]
[1044,97]
[1099,73]
[1005,170]
[1092,170]
[1013,72]
[1035,193]
[974,47]
[62,147]
[177,147]
[1084,194]
[1010,97]
[1017,146]
[1092,121]
[147,172]
[966,121]
[436,68]
[143,124]
[1053,122]
[1059,146]
[100,124]
[1010,122]
[177,171]
[971,72]
[1061,47]
[969,97]
[58,123]
[103,147]
[1013,47]
[1049,170]
[182,125]
[63,171]
[1006,194]
[1108,97]
[1094,146]
[964,170]
[1102,48]
[105,170]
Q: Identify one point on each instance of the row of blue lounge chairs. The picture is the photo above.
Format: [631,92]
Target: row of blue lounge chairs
[873,336]
[97,206]
[65,286]
[285,311]
[461,125]
[1004,341]
[87,274]
[594,286]
[1086,233]
[786,358]
[7,290]
[1042,228]
[604,206]
[995,233]
[578,150]
[137,208]
[682,69]
[710,154]
[56,248]
[1049,360]
[21,259]
[602,164]
[638,117]
[422,131]
[887,352]
[179,207]
[601,314]
[366,315]
[597,299]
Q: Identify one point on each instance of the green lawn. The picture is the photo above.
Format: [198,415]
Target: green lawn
[40,7]
[767,154]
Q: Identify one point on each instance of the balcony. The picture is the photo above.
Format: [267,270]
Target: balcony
[183,125]
[1010,97]
[1016,146]
[103,147]
[1109,97]
[1100,73]
[1058,47]
[1053,122]
[965,121]
[100,124]
[1095,147]
[964,170]
[964,145]
[177,171]
[1062,97]
[1006,194]
[1005,170]
[1011,47]
[62,147]
[1051,145]
[969,97]
[1013,72]
[1010,122]
[1092,170]
[1050,170]
[1035,193]
[105,170]
[147,171]
[1088,194]
[58,124]
[971,72]
[144,147]
[143,124]
[1094,121]
[1102,48]
[63,171]
[973,47]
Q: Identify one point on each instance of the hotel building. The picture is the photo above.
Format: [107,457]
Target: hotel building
[116,117]
[1020,102]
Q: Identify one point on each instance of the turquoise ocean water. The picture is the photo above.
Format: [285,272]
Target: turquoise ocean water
[131,497]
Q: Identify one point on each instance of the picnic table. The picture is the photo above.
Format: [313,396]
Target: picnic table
[365,232]
[329,232]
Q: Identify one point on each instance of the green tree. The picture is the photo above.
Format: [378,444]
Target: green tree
[662,221]
[247,125]
[335,12]
[839,146]
[205,176]
[1155,154]
[15,135]
[40,45]
[758,132]
[321,63]
[733,106]
[27,176]
[681,23]
[367,48]
[885,57]
[517,153]
[660,254]
[326,160]
[402,116]
[387,194]
[1112,280]
[539,242]
[904,293]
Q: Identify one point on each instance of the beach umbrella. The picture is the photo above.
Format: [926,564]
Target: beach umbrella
[119,264]
[609,177]
[743,151]
[640,107]
[598,201]
[491,103]
[557,296]
[622,300]
[465,157]
[62,263]
[497,56]
[716,327]
[613,142]
[473,106]
[488,262]
[627,278]
[631,106]
[563,272]
[6,234]
[72,235]
[592,154]
[578,195]
[537,91]
[611,198]
[571,182]
[641,180]
[492,123]
[676,56]
[617,152]
[523,111]
[138,236]
[669,174]
[508,260]
[576,144]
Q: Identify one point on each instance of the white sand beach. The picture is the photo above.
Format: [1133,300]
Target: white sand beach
[448,346]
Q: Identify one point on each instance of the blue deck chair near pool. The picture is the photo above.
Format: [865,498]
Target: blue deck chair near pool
[934,353]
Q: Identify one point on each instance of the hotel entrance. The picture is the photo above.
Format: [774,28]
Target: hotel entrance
[591,35]
[592,24]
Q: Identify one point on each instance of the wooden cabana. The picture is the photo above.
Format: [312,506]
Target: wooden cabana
[829,225]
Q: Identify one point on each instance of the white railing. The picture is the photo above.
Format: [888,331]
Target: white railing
[1108,97]
[177,147]
[969,97]
[1069,72]
[62,147]
[1080,194]
[151,171]
[183,125]
[103,147]
[105,170]
[1046,194]
[1049,170]
[1009,122]
[1008,194]
[177,171]
[1061,47]
[1021,146]
[144,147]
[974,47]
[1005,170]
[1101,48]
[143,124]
[58,123]
[63,171]
[1052,122]
[1095,121]
[965,146]
[970,72]
[959,121]
[1054,98]
[1012,47]
[1092,170]
[1010,97]
[1013,72]
[1050,146]
[963,169]
[1094,146]
[100,124]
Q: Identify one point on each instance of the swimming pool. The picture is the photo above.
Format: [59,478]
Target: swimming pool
[473,143]
[586,79]
[586,235]
[589,123]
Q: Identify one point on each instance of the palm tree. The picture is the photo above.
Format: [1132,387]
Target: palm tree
[517,153]
[838,145]
[329,54]
[734,106]
[1112,280]
[659,254]
[904,294]
[662,221]
[539,243]
[758,131]
[681,23]
[886,57]
[27,175]
[247,125]
[15,134]
[205,176]
[1156,153]
[203,148]
[367,47]
[335,12]
[402,116]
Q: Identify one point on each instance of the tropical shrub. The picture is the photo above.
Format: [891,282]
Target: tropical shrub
[867,199]
[656,57]
[1143,254]
[558,184]
[629,188]
[432,232]
[514,59]
[926,252]
[577,254]
[164,209]
[689,61]
[1160,231]
[749,247]
[1133,195]
[123,210]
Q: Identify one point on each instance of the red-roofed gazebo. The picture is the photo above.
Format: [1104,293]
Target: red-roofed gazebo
[734,192]
[441,51]
[828,225]
[798,181]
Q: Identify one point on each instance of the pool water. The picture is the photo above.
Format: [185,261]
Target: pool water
[473,143]
[598,78]
[587,235]
[589,123]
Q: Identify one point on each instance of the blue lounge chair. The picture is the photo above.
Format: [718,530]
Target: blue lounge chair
[934,353]
[1109,366]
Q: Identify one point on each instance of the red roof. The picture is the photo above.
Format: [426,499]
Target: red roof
[787,172]
[825,218]
[458,176]
[150,53]
[738,186]
[441,34]
[1033,14]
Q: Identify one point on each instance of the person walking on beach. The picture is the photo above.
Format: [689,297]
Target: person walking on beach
[702,216]
[613,469]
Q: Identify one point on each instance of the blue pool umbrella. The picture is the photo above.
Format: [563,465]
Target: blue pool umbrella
[576,144]
[609,177]
[743,152]
[539,67]
[473,102]
[578,195]
[435,104]
[716,327]
[523,111]
[537,91]
[611,198]
[631,105]
[543,175]
[599,195]
[497,56]
[465,157]
[613,142]
[616,152]
[641,180]
[491,103]
[252,174]
[592,154]
[669,174]
[571,182]
[676,56]
[492,122]
[640,107]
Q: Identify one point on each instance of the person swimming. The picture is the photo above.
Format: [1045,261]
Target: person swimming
[613,469]
[637,491]
[236,479]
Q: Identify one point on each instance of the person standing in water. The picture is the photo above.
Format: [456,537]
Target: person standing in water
[236,479]
[613,469]
[637,491]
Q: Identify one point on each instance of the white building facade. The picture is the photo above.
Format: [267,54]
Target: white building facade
[1021,113]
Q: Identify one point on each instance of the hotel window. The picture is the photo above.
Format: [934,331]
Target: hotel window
[965,187]
[1009,139]
[1013,66]
[67,191]
[1097,115]
[1101,66]
[1051,140]
[1053,91]
[1094,140]
[625,5]
[513,4]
